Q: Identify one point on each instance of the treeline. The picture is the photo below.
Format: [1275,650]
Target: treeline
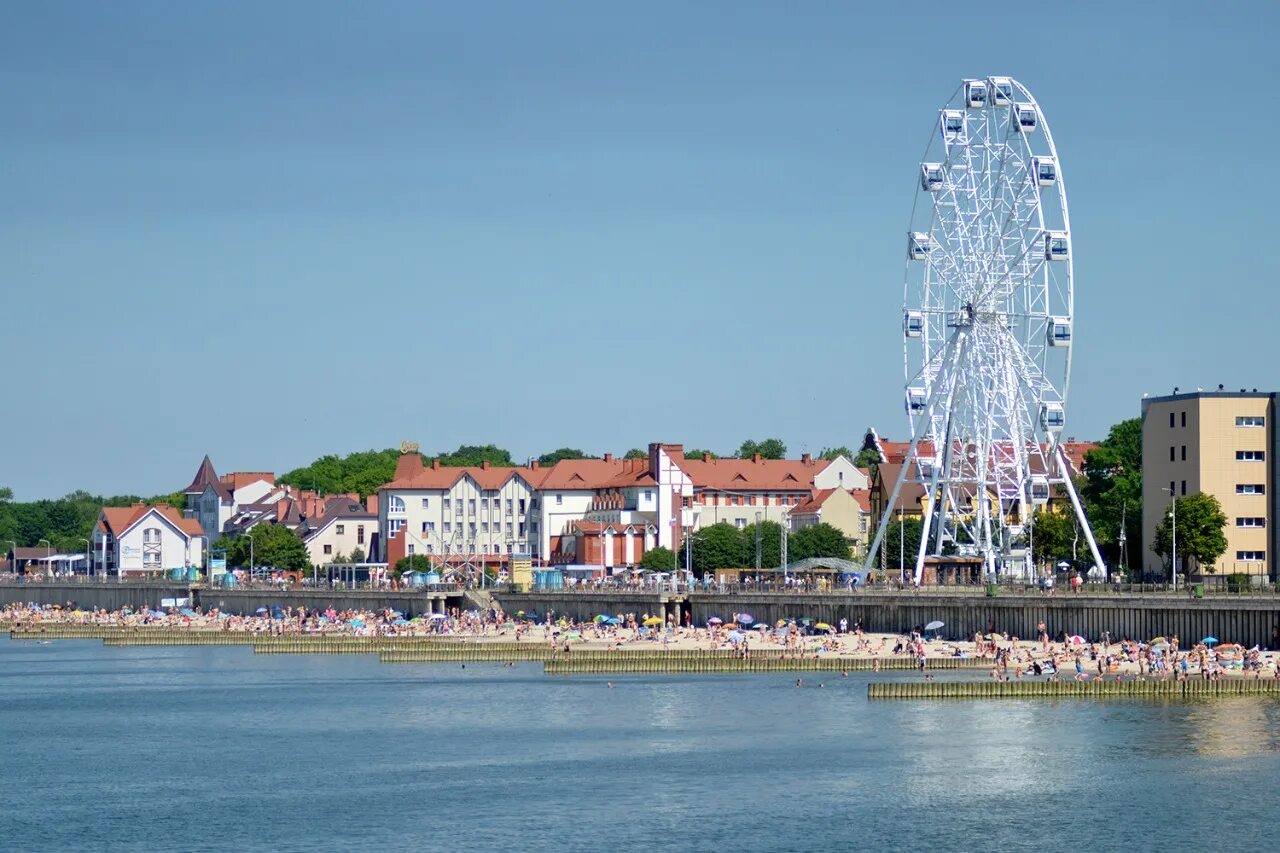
[65,521]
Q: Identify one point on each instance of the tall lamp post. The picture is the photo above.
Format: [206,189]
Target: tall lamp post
[49,554]
[86,554]
[1174,557]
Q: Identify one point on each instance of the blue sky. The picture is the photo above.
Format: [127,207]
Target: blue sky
[273,231]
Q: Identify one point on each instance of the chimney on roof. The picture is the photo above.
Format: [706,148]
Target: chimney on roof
[535,465]
[706,456]
[435,464]
[484,464]
[806,459]
[608,457]
[755,457]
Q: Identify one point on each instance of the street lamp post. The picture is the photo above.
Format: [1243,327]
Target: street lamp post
[48,554]
[1174,548]
[13,562]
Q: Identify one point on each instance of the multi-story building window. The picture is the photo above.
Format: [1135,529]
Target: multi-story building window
[1251,456]
[395,524]
[1184,453]
[395,504]
[484,503]
[1184,418]
[328,549]
[1250,421]
[1251,556]
[1251,489]
[471,506]
[1251,521]
[448,528]
[1171,420]
[339,529]
[521,505]
[445,502]
[359,534]
[410,547]
[484,527]
[511,506]
[559,500]
[508,528]
[1184,487]
[426,503]
[1172,455]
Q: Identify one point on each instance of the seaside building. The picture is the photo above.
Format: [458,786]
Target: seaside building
[742,491]
[145,540]
[214,500]
[1221,443]
[344,526]
[847,510]
[477,515]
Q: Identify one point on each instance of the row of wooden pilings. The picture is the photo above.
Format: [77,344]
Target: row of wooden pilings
[1190,689]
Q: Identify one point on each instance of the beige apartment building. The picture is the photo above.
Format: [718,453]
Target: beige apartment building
[1222,443]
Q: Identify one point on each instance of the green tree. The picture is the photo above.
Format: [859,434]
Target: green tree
[1200,532]
[770,544]
[658,559]
[1111,489]
[358,555]
[274,547]
[415,563]
[548,459]
[6,494]
[719,546]
[901,544]
[770,448]
[831,453]
[471,455]
[1054,535]
[362,472]
[636,453]
[817,540]
[699,454]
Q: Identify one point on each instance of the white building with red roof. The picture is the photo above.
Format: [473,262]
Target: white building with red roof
[479,514]
[146,540]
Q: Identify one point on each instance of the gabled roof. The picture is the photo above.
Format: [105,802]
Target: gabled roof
[590,527]
[240,479]
[204,476]
[764,475]
[118,520]
[814,504]
[412,474]
[590,474]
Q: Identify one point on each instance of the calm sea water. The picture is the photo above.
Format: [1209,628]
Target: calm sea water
[218,749]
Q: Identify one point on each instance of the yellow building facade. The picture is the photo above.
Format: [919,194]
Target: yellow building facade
[1222,443]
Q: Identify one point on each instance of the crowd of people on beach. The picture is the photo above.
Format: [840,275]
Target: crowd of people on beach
[1010,657]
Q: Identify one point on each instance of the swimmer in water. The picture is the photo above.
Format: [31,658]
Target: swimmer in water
[799,682]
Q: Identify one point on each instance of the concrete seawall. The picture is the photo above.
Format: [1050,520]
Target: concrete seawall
[1250,621]
[113,596]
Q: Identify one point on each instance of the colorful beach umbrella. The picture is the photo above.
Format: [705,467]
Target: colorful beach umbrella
[653,622]
[1210,641]
[745,619]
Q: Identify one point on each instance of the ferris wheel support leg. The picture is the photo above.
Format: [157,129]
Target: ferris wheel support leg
[886,513]
[959,341]
[1079,508]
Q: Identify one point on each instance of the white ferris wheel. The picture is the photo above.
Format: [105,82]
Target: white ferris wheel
[987,331]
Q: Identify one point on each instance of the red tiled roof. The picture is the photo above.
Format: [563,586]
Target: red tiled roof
[116,520]
[240,479]
[739,475]
[443,477]
[586,474]
[601,526]
[819,499]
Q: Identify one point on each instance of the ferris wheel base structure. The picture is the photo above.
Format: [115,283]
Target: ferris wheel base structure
[988,328]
